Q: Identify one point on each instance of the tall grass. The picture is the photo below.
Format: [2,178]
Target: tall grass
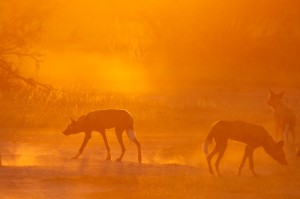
[153,112]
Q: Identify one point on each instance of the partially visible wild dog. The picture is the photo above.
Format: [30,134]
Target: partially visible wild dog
[285,118]
[100,120]
[253,135]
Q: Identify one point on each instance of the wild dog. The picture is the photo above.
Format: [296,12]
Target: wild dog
[285,118]
[100,120]
[253,135]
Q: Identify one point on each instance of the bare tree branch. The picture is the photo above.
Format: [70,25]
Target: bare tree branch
[31,82]
[21,25]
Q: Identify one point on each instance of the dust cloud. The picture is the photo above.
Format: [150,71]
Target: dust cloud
[176,66]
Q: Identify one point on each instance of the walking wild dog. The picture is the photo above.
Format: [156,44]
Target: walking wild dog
[99,121]
[285,118]
[253,135]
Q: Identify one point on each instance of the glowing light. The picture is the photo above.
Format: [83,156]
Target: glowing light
[122,77]
[94,71]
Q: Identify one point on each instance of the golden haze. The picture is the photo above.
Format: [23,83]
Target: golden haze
[176,66]
[172,43]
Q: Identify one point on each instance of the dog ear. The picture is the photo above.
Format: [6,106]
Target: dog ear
[298,152]
[280,144]
[72,120]
[271,92]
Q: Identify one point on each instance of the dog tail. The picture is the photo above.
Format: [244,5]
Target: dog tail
[208,140]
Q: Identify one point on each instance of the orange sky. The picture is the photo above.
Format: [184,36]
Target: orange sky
[138,44]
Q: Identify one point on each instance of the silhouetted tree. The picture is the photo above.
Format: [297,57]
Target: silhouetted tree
[21,25]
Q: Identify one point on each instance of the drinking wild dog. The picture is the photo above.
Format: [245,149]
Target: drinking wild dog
[100,120]
[285,118]
[253,135]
